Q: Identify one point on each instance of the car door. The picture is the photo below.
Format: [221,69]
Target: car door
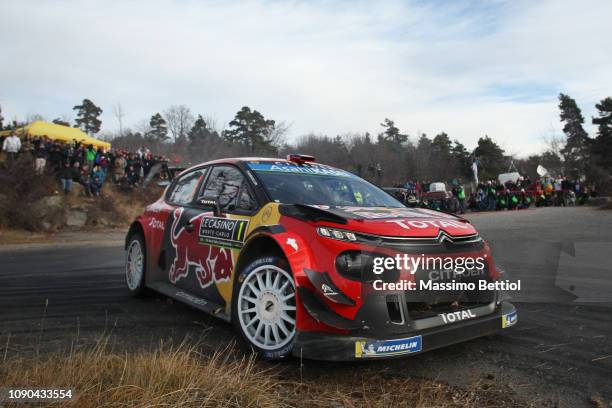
[221,235]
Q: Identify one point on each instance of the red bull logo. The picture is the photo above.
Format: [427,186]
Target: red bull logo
[210,263]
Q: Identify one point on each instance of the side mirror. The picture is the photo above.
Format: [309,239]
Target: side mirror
[213,204]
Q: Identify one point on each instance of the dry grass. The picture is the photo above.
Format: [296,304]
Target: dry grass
[128,205]
[163,377]
[12,236]
[183,377]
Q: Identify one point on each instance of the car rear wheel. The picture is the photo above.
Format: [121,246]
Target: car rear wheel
[135,265]
[264,307]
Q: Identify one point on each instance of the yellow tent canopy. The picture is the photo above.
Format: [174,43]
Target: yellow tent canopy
[58,132]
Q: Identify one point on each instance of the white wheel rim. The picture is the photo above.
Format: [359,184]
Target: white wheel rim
[266,307]
[134,265]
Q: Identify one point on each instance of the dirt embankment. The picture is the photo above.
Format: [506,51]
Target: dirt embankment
[32,207]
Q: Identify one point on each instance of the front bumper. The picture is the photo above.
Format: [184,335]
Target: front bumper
[334,347]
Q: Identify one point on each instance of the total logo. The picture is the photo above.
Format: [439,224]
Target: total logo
[457,316]
[408,224]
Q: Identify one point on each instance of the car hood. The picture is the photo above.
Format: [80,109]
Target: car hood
[399,222]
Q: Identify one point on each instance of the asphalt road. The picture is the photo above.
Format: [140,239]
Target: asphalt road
[55,297]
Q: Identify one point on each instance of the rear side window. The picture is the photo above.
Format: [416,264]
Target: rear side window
[183,191]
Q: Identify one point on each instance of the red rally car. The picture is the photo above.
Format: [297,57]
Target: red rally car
[291,252]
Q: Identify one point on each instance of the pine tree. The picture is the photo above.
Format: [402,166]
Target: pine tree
[1,119]
[576,150]
[252,130]
[87,117]
[441,152]
[200,132]
[423,164]
[391,133]
[159,128]
[491,157]
[461,159]
[602,146]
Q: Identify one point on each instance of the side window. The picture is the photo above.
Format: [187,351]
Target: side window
[227,184]
[183,191]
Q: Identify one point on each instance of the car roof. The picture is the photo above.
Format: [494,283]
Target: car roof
[236,160]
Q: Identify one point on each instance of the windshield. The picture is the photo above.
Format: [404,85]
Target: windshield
[311,184]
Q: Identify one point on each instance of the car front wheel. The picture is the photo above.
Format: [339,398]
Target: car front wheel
[264,307]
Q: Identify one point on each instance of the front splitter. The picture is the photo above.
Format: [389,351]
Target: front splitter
[334,347]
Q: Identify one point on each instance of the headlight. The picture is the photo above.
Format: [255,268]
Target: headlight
[340,235]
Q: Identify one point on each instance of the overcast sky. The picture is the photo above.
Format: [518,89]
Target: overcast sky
[327,67]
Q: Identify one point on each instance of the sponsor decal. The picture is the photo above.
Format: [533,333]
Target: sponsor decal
[509,319]
[223,231]
[293,244]
[385,348]
[304,168]
[327,290]
[421,224]
[457,316]
[265,216]
[154,223]
[449,274]
[210,263]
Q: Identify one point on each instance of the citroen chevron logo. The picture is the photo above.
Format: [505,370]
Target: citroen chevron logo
[443,236]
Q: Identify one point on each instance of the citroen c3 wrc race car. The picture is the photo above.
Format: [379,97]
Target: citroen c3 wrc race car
[286,250]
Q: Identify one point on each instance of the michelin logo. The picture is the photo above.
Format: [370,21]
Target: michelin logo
[509,319]
[384,348]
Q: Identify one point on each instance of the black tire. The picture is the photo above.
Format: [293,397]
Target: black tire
[273,314]
[137,286]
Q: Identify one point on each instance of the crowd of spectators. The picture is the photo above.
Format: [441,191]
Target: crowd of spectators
[492,195]
[91,167]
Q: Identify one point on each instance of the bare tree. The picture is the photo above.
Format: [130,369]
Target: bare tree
[276,137]
[32,117]
[119,114]
[143,127]
[180,120]
[554,141]
[212,123]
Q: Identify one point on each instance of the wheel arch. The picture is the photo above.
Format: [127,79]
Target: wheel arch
[257,245]
[135,227]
